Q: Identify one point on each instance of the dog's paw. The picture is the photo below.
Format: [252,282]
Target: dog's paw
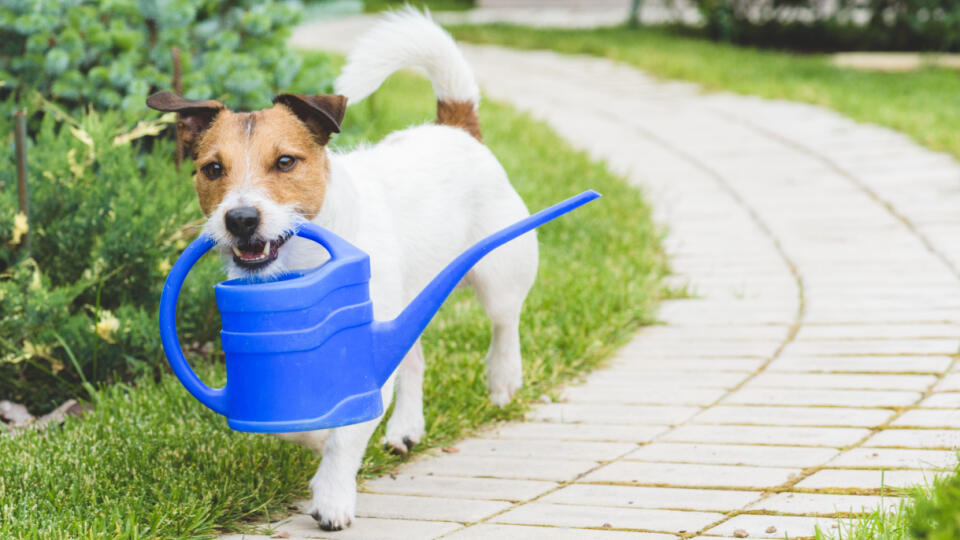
[331,519]
[502,388]
[504,376]
[404,431]
[502,397]
[398,449]
[333,508]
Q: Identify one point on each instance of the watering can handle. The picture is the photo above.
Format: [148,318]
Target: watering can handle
[215,398]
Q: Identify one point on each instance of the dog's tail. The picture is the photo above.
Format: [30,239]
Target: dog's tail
[410,39]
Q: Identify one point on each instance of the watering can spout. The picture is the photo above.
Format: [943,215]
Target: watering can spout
[393,339]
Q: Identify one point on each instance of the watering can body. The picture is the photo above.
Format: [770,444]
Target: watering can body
[303,350]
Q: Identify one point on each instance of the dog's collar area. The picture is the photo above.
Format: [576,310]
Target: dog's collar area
[254,255]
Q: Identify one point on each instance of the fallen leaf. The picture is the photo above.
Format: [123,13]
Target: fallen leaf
[451,450]
[145,128]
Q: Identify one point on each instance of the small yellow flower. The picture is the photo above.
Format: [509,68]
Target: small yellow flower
[36,284]
[106,326]
[56,366]
[12,359]
[20,227]
[164,266]
[32,350]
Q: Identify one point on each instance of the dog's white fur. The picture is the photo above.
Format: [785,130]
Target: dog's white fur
[413,202]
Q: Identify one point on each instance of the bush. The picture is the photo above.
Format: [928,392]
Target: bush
[82,301]
[817,25]
[109,213]
[113,53]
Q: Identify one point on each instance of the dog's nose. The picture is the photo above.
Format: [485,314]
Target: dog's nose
[243,221]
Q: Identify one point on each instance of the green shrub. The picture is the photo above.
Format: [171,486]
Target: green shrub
[109,213]
[106,222]
[926,25]
[113,53]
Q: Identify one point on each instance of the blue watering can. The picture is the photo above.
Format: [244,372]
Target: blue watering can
[302,350]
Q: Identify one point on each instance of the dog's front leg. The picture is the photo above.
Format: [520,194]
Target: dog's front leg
[335,484]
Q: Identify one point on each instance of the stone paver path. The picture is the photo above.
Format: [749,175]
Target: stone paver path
[569,13]
[820,348]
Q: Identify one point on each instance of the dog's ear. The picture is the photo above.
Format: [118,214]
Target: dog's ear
[194,116]
[321,113]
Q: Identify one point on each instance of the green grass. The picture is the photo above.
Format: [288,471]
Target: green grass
[432,5]
[929,512]
[882,523]
[151,462]
[924,104]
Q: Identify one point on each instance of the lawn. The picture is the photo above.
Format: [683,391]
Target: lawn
[433,5]
[921,104]
[151,462]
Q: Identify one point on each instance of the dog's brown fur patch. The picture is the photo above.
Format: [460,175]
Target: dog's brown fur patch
[461,114]
[247,146]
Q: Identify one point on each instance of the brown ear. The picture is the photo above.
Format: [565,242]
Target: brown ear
[321,113]
[194,115]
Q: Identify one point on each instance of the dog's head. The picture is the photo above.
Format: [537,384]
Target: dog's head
[259,174]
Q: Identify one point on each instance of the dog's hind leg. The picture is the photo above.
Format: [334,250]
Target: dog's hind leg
[501,281]
[405,427]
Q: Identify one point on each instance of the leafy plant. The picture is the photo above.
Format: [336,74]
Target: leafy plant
[109,213]
[80,305]
[113,53]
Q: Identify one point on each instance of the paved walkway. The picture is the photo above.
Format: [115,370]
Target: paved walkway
[819,351]
[569,13]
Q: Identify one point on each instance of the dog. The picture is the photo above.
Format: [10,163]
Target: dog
[413,202]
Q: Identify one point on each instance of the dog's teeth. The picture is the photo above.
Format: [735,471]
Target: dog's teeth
[266,249]
[236,251]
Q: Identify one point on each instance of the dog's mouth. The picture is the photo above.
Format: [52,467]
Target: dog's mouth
[257,254]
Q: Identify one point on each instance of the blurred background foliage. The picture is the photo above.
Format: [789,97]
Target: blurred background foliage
[114,53]
[831,25]
[109,211]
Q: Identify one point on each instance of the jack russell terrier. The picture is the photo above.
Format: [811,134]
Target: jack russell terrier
[413,202]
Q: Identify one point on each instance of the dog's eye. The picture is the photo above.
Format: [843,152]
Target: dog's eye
[285,163]
[212,170]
